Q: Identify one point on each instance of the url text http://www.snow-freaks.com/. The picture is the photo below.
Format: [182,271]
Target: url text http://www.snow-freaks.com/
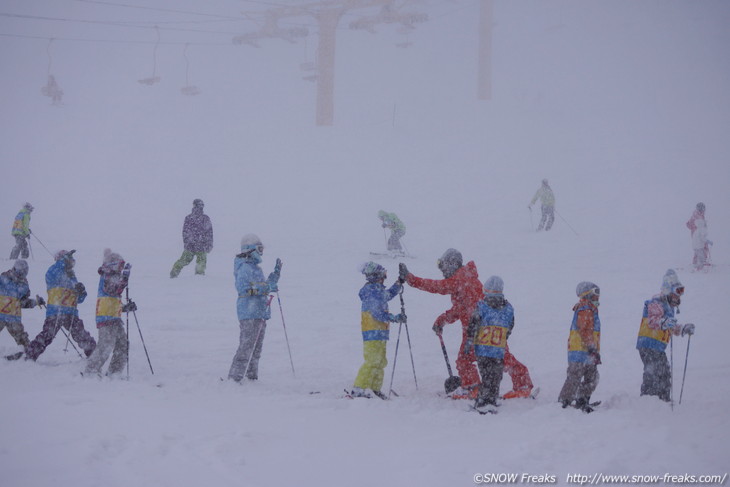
[600,478]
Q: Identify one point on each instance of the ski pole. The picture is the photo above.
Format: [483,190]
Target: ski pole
[140,334]
[127,336]
[30,248]
[566,221]
[408,336]
[39,241]
[684,374]
[395,360]
[286,337]
[67,336]
[671,371]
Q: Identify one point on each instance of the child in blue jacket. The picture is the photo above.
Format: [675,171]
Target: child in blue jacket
[375,323]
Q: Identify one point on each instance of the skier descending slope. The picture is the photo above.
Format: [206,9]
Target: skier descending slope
[700,244]
[462,283]
[375,323]
[658,324]
[253,306]
[397,230]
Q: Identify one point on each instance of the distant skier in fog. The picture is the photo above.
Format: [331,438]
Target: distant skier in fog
[197,235]
[397,230]
[21,232]
[547,205]
[700,243]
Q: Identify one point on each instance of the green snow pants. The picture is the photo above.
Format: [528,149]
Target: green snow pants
[186,258]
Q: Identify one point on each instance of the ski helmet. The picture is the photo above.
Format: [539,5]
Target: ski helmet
[20,268]
[64,254]
[373,271]
[701,207]
[198,203]
[585,289]
[251,242]
[450,262]
[28,207]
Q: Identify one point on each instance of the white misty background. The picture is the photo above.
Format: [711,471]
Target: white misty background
[622,105]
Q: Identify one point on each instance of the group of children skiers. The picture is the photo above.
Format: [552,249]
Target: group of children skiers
[486,317]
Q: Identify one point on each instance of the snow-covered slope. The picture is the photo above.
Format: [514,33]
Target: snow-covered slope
[622,105]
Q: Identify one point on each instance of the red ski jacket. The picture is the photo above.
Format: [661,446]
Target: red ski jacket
[465,290]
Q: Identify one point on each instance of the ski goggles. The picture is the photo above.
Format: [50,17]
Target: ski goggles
[594,290]
[678,290]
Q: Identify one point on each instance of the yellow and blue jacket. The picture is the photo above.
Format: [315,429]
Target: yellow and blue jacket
[651,335]
[585,332]
[62,294]
[375,318]
[109,297]
[495,324]
[13,296]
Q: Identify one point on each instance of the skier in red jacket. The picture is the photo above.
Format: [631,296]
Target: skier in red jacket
[462,283]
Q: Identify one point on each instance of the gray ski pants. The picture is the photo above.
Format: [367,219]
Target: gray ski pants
[580,383]
[112,340]
[246,360]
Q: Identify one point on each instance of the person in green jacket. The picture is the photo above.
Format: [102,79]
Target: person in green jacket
[21,232]
[397,230]
[547,202]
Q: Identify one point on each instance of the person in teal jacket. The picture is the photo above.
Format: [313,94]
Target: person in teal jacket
[253,306]
[65,293]
[375,324]
[21,232]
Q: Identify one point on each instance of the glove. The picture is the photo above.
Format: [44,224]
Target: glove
[126,270]
[129,307]
[593,356]
[530,207]
[80,288]
[277,267]
[40,302]
[401,318]
[669,324]
[438,329]
[688,329]
[402,272]
[709,242]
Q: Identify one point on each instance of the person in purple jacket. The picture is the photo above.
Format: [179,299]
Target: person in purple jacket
[197,239]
